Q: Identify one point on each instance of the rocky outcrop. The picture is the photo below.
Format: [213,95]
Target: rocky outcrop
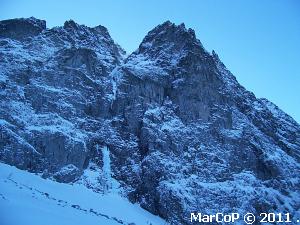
[20,29]
[184,135]
[53,84]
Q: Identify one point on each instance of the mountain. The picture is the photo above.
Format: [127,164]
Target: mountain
[180,133]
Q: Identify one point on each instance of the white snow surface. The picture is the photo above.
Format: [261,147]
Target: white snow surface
[38,201]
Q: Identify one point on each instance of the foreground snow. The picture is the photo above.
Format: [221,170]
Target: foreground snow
[27,199]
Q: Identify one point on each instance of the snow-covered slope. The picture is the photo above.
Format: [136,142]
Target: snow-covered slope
[28,199]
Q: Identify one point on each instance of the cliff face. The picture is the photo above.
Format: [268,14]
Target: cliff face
[183,135]
[54,84]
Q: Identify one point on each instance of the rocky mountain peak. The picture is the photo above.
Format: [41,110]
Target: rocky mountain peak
[170,38]
[101,30]
[168,47]
[96,39]
[21,28]
[71,24]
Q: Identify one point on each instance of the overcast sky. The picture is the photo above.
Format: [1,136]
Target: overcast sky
[259,41]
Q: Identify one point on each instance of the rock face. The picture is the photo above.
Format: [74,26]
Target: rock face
[22,28]
[184,135]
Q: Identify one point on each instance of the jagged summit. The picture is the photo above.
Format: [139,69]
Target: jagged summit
[21,28]
[96,38]
[172,27]
[170,38]
[31,20]
[167,47]
[99,30]
[71,24]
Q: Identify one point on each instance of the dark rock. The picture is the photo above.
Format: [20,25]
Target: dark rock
[67,174]
[21,28]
